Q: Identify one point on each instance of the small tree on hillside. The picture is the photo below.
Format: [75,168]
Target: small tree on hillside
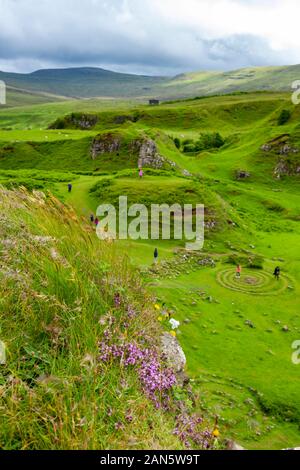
[284,117]
[177,142]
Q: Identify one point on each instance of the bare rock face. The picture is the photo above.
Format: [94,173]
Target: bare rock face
[287,149]
[173,352]
[266,147]
[107,143]
[148,155]
[286,168]
[84,121]
[280,145]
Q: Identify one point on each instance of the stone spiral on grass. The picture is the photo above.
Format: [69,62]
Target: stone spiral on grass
[252,281]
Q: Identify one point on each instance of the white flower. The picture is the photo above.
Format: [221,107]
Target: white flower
[174,324]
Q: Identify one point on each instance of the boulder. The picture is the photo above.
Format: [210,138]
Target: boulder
[242,174]
[173,352]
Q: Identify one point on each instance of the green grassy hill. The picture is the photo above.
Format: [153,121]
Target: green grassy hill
[81,334]
[96,82]
[246,79]
[18,97]
[83,82]
[237,333]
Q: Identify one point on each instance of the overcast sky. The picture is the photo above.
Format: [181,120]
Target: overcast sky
[148,36]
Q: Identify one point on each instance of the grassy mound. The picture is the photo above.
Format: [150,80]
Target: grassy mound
[73,314]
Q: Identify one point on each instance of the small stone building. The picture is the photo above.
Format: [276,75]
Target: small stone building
[154,102]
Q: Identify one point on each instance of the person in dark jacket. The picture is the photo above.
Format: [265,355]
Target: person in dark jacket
[155,255]
[70,187]
[277,273]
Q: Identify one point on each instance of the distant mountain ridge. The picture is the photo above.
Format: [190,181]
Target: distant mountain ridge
[89,82]
[84,82]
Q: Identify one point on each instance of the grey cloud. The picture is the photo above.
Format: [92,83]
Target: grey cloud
[126,35]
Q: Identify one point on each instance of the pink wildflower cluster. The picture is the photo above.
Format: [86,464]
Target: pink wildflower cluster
[155,379]
[187,429]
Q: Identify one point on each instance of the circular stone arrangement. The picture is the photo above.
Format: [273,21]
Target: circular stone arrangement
[252,281]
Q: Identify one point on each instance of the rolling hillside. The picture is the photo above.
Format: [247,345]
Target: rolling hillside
[234,154]
[20,97]
[83,82]
[96,82]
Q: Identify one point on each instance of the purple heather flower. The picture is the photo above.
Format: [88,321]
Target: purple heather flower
[117,300]
[131,312]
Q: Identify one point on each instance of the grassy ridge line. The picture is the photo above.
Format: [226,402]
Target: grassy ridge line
[58,285]
[93,82]
[84,82]
[16,97]
[179,114]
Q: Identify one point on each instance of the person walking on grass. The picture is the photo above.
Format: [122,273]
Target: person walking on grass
[277,273]
[238,271]
[155,255]
[92,218]
[70,187]
[96,221]
[141,174]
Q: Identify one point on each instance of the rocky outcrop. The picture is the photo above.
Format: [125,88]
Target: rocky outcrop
[144,149]
[85,121]
[287,149]
[125,118]
[108,143]
[76,120]
[280,145]
[148,155]
[286,168]
[266,147]
[173,352]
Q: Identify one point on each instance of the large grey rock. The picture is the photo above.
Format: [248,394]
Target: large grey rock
[107,143]
[173,352]
[148,155]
